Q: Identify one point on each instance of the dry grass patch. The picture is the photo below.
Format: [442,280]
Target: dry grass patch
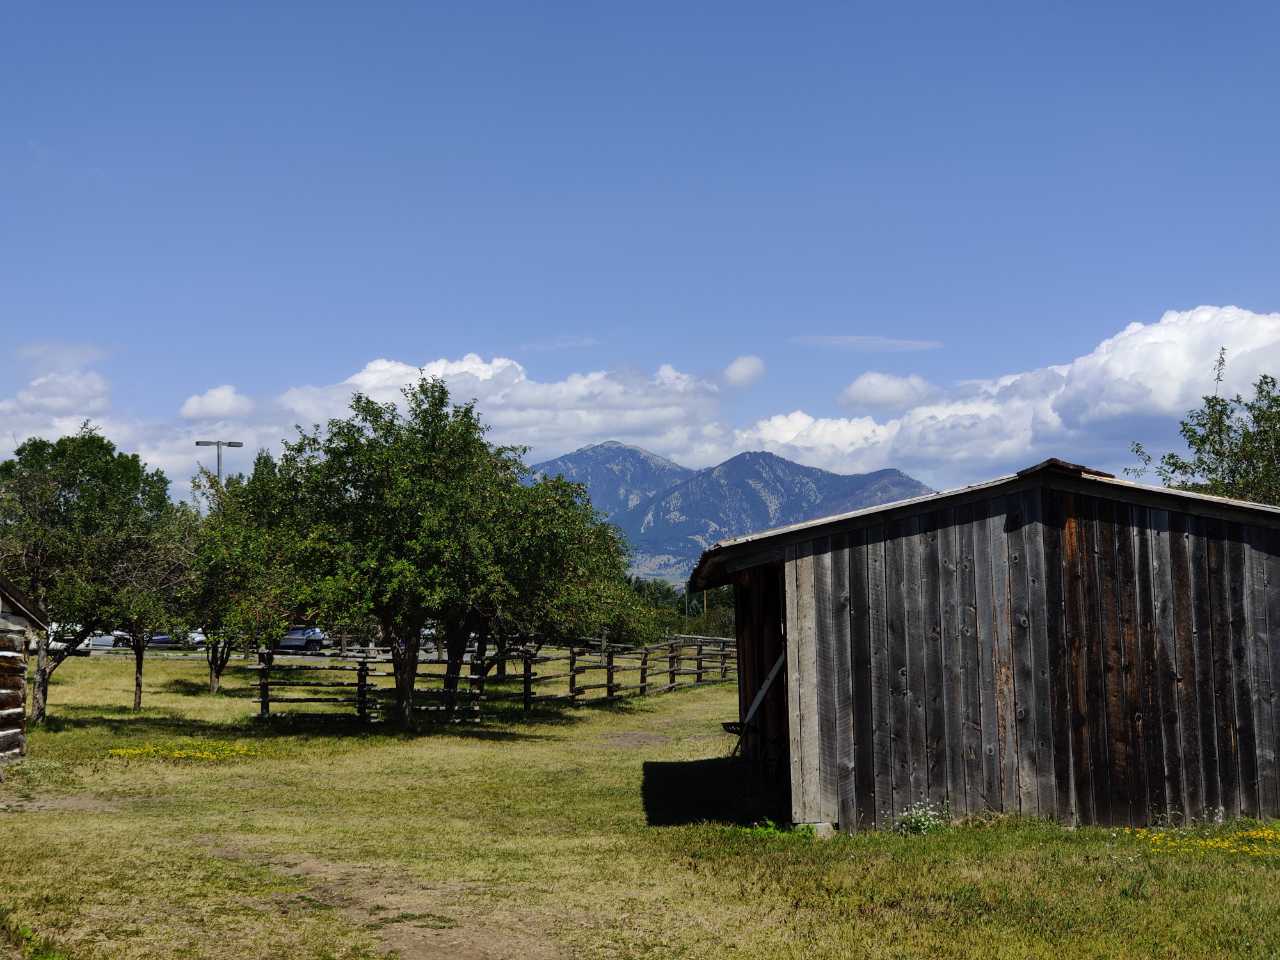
[517,838]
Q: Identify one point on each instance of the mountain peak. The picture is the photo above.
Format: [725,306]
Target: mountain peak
[670,513]
[617,475]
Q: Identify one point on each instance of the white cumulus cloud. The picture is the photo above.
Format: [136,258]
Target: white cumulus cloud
[1085,408]
[886,391]
[744,371]
[217,403]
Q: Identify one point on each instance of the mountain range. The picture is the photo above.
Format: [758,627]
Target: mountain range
[670,514]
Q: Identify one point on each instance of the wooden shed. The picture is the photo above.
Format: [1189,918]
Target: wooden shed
[1056,643]
[19,619]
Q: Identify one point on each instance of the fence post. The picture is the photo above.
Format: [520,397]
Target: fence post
[264,684]
[673,662]
[362,690]
[528,681]
[644,672]
[608,672]
[697,677]
[724,659]
[573,673]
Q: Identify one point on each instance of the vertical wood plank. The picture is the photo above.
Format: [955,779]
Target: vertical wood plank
[1113,685]
[1023,656]
[1149,669]
[1006,722]
[1242,670]
[1187,670]
[827,611]
[863,723]
[795,681]
[1131,667]
[1040,613]
[1224,691]
[1272,550]
[932,682]
[1202,654]
[881,680]
[917,651]
[1215,663]
[898,533]
[1095,671]
[982,566]
[812,732]
[845,811]
[970,662]
[1168,615]
[952,684]
[1060,697]
[1263,682]
[1076,564]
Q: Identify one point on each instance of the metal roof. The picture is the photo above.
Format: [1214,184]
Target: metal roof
[703,573]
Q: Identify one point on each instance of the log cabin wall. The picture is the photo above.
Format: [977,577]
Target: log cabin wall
[13,680]
[1044,651]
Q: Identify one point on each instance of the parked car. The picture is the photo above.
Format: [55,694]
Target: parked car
[310,639]
[99,642]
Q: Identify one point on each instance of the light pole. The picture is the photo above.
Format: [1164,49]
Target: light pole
[219,444]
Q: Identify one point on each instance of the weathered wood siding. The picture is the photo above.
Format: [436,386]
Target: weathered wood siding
[1043,651]
[13,679]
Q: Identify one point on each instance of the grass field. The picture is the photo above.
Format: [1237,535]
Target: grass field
[191,830]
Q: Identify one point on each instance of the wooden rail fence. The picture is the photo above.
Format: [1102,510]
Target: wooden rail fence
[592,672]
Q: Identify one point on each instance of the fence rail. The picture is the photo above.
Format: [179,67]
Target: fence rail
[591,672]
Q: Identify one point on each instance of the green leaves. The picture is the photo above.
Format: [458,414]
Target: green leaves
[1233,445]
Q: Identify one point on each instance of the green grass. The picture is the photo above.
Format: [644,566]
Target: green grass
[191,830]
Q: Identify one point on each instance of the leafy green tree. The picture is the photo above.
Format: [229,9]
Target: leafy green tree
[152,574]
[564,569]
[245,585]
[1233,445]
[66,507]
[394,513]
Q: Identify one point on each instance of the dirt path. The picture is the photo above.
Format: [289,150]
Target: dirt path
[413,921]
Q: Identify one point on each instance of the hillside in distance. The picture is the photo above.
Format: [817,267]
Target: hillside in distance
[669,528]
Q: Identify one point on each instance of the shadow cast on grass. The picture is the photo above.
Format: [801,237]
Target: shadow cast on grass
[717,790]
[496,726]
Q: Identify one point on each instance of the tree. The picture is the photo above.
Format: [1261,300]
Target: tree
[393,517]
[65,507]
[152,574]
[1233,445]
[564,569]
[245,589]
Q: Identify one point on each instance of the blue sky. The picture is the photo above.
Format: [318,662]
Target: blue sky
[623,200]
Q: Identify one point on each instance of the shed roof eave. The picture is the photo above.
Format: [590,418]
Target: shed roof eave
[711,569]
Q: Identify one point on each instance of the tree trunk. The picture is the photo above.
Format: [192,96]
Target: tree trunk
[404,660]
[139,651]
[40,695]
[456,636]
[218,653]
[500,645]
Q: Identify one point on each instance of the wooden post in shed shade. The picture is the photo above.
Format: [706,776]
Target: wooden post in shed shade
[264,684]
[697,676]
[573,673]
[724,659]
[528,681]
[644,671]
[609,685]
